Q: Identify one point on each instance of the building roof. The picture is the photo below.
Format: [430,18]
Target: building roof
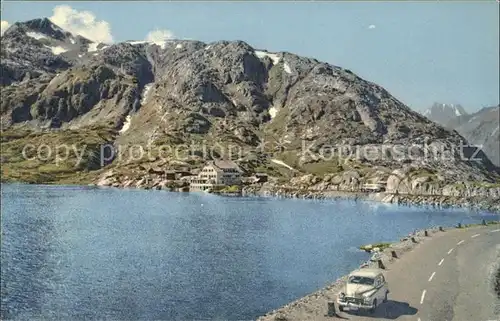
[367,272]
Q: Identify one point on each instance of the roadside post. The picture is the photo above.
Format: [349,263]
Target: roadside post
[331,310]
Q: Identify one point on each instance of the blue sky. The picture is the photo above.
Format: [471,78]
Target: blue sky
[421,52]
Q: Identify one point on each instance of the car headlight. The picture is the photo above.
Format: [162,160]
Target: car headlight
[367,297]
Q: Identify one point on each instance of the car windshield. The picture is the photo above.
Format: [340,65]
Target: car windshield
[361,280]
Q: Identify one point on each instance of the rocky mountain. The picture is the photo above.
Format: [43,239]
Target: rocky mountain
[443,113]
[174,101]
[481,128]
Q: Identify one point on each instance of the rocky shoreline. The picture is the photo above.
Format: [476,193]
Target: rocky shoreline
[314,303]
[436,201]
[308,187]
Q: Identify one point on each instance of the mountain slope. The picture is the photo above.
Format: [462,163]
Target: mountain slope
[481,128]
[190,97]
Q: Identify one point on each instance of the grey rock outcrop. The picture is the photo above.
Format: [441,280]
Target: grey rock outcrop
[271,105]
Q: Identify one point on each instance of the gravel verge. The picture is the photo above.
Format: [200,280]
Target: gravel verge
[314,304]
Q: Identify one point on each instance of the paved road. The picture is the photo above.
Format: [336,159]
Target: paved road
[443,279]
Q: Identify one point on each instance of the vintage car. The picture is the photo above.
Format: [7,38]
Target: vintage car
[365,289]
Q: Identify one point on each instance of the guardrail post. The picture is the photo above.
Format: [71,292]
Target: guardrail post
[331,310]
[394,254]
[381,265]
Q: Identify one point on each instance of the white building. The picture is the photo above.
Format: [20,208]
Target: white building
[217,173]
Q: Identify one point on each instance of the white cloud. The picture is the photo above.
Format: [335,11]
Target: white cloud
[4,25]
[82,23]
[159,36]
[372,26]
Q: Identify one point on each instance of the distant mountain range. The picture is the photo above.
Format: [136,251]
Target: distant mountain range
[479,128]
[443,113]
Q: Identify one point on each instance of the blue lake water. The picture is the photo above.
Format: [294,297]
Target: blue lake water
[85,253]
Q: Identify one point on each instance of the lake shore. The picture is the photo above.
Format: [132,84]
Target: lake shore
[475,202]
[434,201]
[315,304]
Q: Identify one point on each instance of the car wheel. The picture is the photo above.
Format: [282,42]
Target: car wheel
[385,298]
[372,310]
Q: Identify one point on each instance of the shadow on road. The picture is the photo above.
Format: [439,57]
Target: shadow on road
[390,310]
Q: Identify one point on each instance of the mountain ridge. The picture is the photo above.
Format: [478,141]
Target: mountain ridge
[443,113]
[481,128]
[225,92]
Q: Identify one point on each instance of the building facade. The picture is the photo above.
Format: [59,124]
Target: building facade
[216,174]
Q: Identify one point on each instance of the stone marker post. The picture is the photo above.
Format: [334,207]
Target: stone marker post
[331,310]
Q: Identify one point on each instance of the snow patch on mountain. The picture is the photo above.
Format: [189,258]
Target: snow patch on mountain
[273,111]
[95,47]
[495,131]
[457,112]
[279,162]
[145,92]
[139,42]
[262,54]
[287,68]
[161,43]
[56,50]
[36,35]
[443,113]
[126,125]
[92,47]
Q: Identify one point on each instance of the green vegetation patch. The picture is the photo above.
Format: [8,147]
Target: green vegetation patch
[231,189]
[423,172]
[322,168]
[53,156]
[485,184]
